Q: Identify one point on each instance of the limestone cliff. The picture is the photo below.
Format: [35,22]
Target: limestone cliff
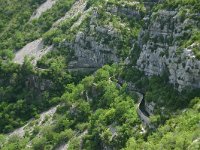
[107,35]
[162,51]
[161,41]
[108,32]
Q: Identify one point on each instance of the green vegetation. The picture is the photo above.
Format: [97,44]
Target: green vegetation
[97,108]
[20,30]
[84,109]
[97,111]
[13,12]
[22,94]
[24,90]
[179,132]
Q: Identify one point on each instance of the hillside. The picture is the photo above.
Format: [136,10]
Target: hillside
[99,75]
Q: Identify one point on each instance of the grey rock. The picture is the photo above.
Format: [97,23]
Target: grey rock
[159,56]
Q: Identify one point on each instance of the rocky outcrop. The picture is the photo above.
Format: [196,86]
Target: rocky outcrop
[90,53]
[38,84]
[125,10]
[78,7]
[160,46]
[90,49]
[98,44]
[149,107]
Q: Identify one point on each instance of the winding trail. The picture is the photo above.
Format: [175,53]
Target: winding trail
[144,116]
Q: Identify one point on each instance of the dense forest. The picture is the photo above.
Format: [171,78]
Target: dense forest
[89,90]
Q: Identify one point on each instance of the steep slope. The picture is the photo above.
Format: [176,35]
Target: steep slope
[144,98]
[21,30]
[99,114]
[44,7]
[102,34]
[81,115]
[170,43]
[180,132]
[36,49]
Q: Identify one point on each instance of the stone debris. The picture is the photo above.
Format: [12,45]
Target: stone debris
[77,8]
[36,48]
[21,131]
[159,44]
[43,8]
[33,50]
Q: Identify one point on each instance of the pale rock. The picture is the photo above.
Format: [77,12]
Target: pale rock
[157,58]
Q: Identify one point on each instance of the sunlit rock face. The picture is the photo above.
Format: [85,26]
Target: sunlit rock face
[161,53]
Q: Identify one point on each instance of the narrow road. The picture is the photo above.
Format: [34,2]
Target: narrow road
[142,113]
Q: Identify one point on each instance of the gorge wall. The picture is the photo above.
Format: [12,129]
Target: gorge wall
[160,41]
[161,50]
[102,41]
[109,34]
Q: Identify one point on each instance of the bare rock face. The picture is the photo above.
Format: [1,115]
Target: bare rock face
[92,54]
[92,51]
[38,86]
[98,44]
[161,53]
